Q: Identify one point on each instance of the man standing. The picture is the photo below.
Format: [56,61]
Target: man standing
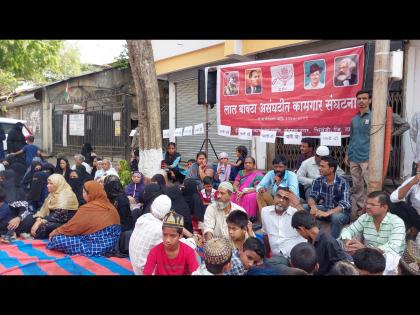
[309,170]
[357,156]
[275,178]
[217,212]
[335,192]
[279,236]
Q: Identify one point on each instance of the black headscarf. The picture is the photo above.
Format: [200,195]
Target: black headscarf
[76,185]
[114,189]
[180,206]
[48,168]
[38,184]
[86,152]
[58,169]
[27,179]
[192,198]
[11,184]
[150,193]
[115,193]
[85,176]
[160,180]
[19,169]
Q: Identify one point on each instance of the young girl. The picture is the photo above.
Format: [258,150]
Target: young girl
[171,161]
[241,153]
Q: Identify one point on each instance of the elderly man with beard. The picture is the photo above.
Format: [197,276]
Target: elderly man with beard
[217,212]
[345,75]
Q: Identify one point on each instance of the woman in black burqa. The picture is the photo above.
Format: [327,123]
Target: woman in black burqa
[117,197]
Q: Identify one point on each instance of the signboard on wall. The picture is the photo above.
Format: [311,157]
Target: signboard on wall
[64,130]
[77,125]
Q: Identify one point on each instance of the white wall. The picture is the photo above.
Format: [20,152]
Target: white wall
[168,48]
[411,100]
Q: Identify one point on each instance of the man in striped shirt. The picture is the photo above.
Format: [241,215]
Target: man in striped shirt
[379,228]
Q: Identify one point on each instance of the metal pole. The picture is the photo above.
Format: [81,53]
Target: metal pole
[379,102]
[207,130]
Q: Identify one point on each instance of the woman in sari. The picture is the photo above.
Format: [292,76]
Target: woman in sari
[95,228]
[245,184]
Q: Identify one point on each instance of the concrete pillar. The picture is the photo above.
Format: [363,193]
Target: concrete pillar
[172,111]
[379,103]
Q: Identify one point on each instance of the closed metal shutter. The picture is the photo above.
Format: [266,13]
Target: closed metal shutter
[189,113]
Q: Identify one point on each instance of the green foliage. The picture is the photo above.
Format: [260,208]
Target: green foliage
[122,60]
[7,82]
[124,173]
[26,60]
[68,64]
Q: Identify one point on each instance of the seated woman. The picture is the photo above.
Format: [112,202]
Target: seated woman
[95,228]
[15,197]
[63,167]
[59,207]
[135,189]
[27,179]
[195,204]
[83,174]
[39,188]
[117,197]
[76,184]
[245,184]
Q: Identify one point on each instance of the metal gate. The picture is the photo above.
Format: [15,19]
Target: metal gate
[395,99]
[106,127]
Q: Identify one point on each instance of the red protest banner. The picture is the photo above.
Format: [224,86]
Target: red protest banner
[311,94]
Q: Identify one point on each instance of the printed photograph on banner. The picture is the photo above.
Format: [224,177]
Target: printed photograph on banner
[282,78]
[253,79]
[231,83]
[178,132]
[223,130]
[188,131]
[292,137]
[165,134]
[331,138]
[346,70]
[244,133]
[199,129]
[314,74]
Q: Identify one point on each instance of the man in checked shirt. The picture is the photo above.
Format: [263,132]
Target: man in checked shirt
[335,192]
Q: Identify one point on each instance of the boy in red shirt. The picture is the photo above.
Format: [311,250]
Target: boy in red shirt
[171,257]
